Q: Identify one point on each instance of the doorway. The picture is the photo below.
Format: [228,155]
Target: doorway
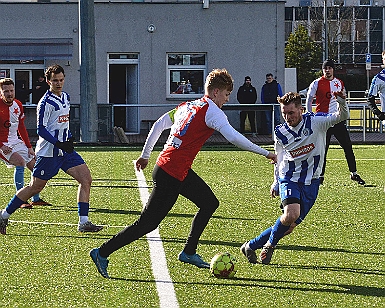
[25,85]
[123,90]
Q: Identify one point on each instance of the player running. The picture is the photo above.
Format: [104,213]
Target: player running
[300,148]
[378,87]
[15,151]
[191,123]
[322,89]
[55,151]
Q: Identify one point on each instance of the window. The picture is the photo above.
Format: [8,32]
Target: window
[288,13]
[346,30]
[288,29]
[376,13]
[4,73]
[338,2]
[361,48]
[301,13]
[304,2]
[186,75]
[365,2]
[316,30]
[361,30]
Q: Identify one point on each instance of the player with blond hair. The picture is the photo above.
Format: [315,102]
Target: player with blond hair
[191,124]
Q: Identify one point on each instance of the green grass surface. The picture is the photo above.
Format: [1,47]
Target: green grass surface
[335,258]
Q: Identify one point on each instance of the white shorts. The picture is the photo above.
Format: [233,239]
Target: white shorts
[19,148]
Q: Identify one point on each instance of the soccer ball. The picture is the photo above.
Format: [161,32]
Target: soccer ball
[223,265]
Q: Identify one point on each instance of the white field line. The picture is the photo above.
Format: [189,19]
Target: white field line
[358,159]
[164,284]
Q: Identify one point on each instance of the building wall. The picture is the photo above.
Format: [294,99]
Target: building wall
[247,38]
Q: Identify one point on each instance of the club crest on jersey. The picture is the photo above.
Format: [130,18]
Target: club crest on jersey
[7,124]
[306,132]
[64,118]
[302,150]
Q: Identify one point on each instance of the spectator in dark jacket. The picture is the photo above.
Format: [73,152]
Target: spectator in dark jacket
[247,95]
[270,91]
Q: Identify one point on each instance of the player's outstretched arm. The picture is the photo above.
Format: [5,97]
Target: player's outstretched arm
[236,138]
[373,107]
[163,123]
[343,107]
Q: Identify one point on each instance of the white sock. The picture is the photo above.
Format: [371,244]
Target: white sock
[83,219]
[5,214]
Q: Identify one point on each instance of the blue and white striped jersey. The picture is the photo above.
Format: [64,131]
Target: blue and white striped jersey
[300,150]
[53,113]
[378,87]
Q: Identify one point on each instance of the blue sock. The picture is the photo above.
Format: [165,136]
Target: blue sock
[260,240]
[83,208]
[14,204]
[277,232]
[19,180]
[36,198]
[18,177]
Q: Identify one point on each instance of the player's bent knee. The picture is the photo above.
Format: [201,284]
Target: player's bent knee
[213,205]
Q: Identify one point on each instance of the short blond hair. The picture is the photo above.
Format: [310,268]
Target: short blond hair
[219,79]
[290,97]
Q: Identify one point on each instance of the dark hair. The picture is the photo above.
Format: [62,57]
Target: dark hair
[6,81]
[269,74]
[328,62]
[53,69]
[290,97]
[247,78]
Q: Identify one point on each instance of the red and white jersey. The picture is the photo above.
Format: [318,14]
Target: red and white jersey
[12,122]
[322,89]
[188,134]
[192,123]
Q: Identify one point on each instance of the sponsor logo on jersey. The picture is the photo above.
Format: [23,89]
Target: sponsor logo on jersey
[64,118]
[302,150]
[174,141]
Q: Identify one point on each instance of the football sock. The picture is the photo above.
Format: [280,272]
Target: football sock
[35,197]
[260,240]
[19,181]
[18,177]
[14,204]
[83,219]
[5,214]
[83,208]
[277,232]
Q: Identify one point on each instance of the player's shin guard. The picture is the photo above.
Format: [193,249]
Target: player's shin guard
[277,232]
[260,240]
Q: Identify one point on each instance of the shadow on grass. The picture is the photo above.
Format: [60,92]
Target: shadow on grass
[182,215]
[277,285]
[97,183]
